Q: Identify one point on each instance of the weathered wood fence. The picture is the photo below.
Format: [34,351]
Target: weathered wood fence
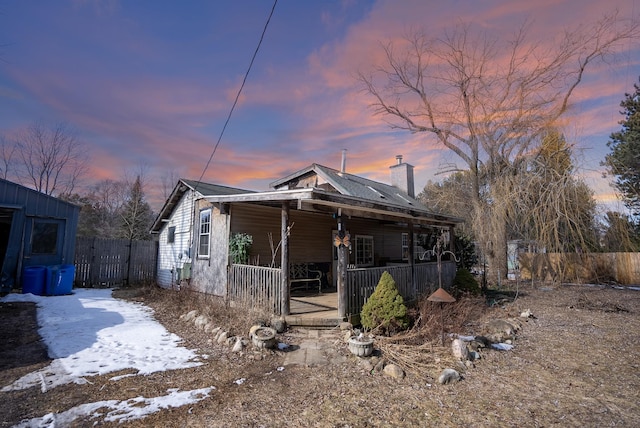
[112,262]
[622,268]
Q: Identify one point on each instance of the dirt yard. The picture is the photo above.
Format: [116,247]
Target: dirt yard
[575,364]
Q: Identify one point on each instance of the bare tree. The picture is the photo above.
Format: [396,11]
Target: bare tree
[488,100]
[52,160]
[7,151]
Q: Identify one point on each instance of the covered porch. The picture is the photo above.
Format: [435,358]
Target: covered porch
[255,285]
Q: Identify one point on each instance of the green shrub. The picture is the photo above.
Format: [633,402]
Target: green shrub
[385,308]
[465,282]
[239,247]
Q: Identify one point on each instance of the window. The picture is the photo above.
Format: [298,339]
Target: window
[405,246]
[364,250]
[171,235]
[205,234]
[419,252]
[44,237]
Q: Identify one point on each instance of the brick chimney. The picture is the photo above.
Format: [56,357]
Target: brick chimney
[402,176]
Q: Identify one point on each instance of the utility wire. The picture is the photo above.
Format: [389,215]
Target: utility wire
[255,53]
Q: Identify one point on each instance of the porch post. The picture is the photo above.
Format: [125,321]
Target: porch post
[284,260]
[412,262]
[342,281]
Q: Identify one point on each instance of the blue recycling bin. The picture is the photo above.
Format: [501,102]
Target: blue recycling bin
[33,280]
[59,280]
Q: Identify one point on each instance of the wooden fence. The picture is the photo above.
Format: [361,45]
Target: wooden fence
[622,268]
[113,262]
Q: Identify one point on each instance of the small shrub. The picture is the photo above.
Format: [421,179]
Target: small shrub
[464,282]
[385,309]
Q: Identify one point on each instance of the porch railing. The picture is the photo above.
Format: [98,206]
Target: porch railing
[255,286]
[362,282]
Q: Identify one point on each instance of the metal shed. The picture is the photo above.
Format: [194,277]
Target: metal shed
[35,230]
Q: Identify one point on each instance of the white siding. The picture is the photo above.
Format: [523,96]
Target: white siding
[173,256]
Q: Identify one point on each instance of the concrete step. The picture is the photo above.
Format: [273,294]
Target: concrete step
[299,321]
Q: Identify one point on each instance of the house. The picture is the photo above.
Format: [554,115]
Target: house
[174,225]
[348,228]
[35,230]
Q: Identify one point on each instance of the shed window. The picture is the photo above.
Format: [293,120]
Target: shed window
[44,237]
[205,234]
[171,235]
[364,250]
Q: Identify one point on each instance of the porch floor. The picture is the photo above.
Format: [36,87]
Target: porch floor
[314,310]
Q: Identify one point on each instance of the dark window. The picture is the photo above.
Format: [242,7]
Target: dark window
[171,236]
[44,237]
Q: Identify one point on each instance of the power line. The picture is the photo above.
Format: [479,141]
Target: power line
[244,80]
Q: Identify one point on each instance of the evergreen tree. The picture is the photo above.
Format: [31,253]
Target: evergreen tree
[136,214]
[624,160]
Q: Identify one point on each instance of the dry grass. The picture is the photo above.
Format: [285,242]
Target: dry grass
[575,364]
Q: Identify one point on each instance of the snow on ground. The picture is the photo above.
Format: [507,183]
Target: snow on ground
[90,333]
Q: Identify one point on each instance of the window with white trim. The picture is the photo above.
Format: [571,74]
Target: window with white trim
[419,252]
[364,250]
[204,236]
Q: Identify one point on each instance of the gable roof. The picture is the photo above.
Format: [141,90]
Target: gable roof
[348,185]
[322,189]
[182,186]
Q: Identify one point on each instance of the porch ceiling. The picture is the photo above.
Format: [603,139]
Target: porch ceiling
[316,200]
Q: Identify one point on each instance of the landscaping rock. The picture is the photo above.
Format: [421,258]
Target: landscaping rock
[201,321]
[279,325]
[448,376]
[189,316]
[222,337]
[238,346]
[345,326]
[393,371]
[459,350]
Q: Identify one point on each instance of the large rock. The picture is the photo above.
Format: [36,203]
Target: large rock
[393,371]
[448,376]
[201,321]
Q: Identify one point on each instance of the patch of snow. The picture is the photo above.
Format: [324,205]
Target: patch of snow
[119,411]
[89,333]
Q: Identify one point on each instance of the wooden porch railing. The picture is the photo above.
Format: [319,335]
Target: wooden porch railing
[255,286]
[362,282]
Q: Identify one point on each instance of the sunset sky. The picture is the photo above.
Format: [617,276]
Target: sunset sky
[149,84]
